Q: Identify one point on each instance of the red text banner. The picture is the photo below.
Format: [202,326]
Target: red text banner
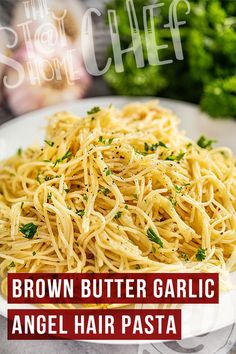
[113,288]
[112,324]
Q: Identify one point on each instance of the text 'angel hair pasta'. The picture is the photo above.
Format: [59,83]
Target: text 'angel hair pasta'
[118,191]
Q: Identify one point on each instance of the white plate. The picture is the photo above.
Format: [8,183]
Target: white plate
[25,130]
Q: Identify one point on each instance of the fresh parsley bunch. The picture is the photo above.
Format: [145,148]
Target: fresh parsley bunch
[207,75]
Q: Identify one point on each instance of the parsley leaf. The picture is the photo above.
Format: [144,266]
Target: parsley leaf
[103,190]
[12,265]
[49,143]
[173,201]
[201,254]
[61,159]
[108,172]
[154,237]
[205,143]
[177,158]
[94,110]
[29,230]
[19,152]
[102,140]
[154,147]
[178,189]
[85,197]
[80,213]
[118,215]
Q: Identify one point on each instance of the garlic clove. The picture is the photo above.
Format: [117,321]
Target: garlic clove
[71,11]
[54,83]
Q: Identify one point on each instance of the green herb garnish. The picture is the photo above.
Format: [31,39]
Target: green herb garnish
[105,191]
[118,215]
[178,189]
[49,143]
[29,230]
[108,172]
[94,110]
[205,143]
[19,152]
[12,265]
[102,140]
[144,153]
[201,254]
[85,197]
[61,159]
[154,237]
[154,147]
[38,179]
[173,201]
[67,190]
[177,158]
[34,253]
[80,213]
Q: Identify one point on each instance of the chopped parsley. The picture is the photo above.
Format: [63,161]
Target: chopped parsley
[29,230]
[177,158]
[67,190]
[173,201]
[49,196]
[154,147]
[80,213]
[205,143]
[19,152]
[38,179]
[94,110]
[154,237]
[61,159]
[201,254]
[102,140]
[34,253]
[22,204]
[85,197]
[126,207]
[108,171]
[12,265]
[144,153]
[178,189]
[49,143]
[105,191]
[118,215]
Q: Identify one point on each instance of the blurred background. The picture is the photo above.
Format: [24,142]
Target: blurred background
[206,76]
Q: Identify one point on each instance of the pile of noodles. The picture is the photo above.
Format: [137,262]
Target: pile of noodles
[118,191]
